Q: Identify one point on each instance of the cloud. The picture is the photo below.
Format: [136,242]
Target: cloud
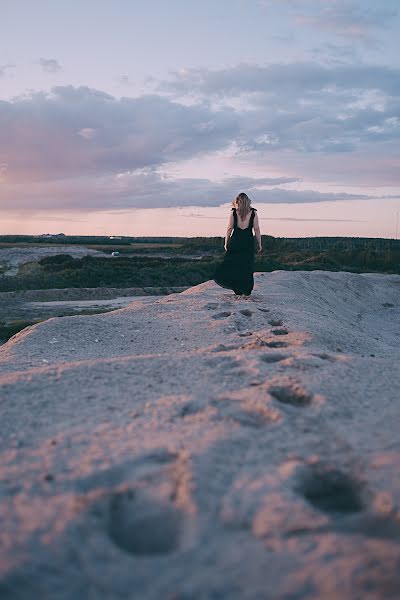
[350,20]
[339,53]
[88,133]
[314,220]
[347,19]
[197,216]
[148,188]
[50,65]
[305,120]
[305,107]
[284,196]
[5,68]
[124,80]
[82,131]
[281,79]
[3,171]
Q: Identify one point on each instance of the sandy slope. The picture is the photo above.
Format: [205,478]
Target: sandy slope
[204,447]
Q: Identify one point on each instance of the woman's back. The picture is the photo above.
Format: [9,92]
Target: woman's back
[243,223]
[242,239]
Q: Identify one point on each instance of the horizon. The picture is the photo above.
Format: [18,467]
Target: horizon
[117,237]
[303,116]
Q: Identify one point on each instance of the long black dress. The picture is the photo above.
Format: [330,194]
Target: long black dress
[237,268]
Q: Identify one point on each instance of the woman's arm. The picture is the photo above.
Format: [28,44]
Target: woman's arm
[256,225]
[228,230]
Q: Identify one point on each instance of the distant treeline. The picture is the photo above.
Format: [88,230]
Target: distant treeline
[333,243]
[213,243]
[280,244]
[64,271]
[87,239]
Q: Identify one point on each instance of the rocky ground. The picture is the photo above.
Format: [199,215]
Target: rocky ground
[201,446]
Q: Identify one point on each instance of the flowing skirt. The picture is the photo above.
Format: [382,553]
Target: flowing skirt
[237,267]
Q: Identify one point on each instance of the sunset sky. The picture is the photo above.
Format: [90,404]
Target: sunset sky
[147,118]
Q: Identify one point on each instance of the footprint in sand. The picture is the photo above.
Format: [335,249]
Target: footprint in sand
[246,312]
[290,393]
[275,322]
[189,409]
[281,331]
[141,525]
[251,418]
[160,456]
[331,490]
[222,315]
[260,343]
[264,309]
[325,356]
[276,344]
[273,357]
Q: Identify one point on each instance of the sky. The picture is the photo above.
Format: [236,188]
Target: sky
[148,118]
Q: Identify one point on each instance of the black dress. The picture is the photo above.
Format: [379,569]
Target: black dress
[237,268]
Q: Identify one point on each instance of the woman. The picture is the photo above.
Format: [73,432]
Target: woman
[237,268]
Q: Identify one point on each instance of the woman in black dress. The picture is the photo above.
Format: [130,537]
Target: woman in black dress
[237,268]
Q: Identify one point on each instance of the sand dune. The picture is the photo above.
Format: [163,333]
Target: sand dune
[202,446]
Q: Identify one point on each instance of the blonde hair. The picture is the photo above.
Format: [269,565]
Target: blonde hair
[242,203]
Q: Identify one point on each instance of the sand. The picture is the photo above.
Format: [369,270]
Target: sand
[201,446]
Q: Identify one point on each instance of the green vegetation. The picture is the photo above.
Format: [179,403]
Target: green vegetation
[174,269]
[10,329]
[62,271]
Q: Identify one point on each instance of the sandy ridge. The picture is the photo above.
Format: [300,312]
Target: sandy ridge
[207,447]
